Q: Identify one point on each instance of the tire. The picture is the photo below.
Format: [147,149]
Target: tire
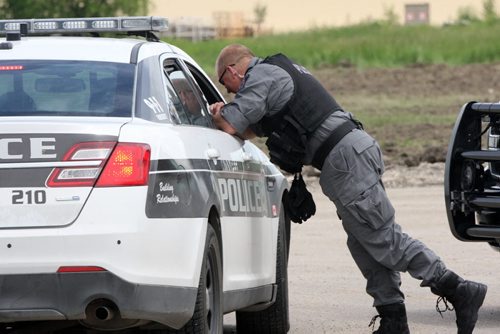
[208,313]
[275,318]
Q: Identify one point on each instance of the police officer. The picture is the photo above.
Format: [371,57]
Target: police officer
[304,125]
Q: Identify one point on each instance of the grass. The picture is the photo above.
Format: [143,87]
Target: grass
[405,125]
[367,45]
[400,111]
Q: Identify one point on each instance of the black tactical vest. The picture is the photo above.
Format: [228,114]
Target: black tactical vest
[289,130]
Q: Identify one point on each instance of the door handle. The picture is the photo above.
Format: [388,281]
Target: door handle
[212,153]
[246,156]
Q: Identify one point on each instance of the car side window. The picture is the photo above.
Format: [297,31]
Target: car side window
[192,109]
[175,108]
[210,94]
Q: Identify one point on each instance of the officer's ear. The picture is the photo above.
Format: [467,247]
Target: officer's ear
[234,71]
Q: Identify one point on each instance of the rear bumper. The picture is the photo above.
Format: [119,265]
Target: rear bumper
[67,296]
[112,232]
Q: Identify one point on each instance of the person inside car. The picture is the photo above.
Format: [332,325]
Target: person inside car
[189,101]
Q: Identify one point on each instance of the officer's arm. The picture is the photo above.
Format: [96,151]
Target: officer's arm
[222,124]
[225,126]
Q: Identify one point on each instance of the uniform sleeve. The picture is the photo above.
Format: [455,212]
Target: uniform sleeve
[265,90]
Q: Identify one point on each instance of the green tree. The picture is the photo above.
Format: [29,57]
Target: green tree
[489,12]
[16,9]
[260,12]
[466,15]
[390,16]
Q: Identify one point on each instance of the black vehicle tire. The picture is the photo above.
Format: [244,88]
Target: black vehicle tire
[275,318]
[208,313]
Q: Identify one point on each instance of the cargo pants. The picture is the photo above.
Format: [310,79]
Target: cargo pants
[351,178]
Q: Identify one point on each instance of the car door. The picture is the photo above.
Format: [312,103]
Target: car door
[247,231]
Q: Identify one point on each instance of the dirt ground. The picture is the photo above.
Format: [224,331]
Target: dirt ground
[422,80]
[441,89]
[327,291]
[424,101]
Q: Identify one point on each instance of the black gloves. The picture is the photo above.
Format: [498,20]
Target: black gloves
[299,203]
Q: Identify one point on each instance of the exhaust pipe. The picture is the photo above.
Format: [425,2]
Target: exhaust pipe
[101,314]
[104,313]
[101,310]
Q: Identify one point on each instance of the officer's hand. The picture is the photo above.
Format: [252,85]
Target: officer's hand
[220,122]
[216,107]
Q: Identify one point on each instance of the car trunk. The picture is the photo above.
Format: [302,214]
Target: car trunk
[49,166]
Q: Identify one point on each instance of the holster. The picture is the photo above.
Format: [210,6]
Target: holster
[299,203]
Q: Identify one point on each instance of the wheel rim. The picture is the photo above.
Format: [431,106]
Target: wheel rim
[211,307]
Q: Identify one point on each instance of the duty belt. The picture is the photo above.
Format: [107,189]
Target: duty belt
[332,140]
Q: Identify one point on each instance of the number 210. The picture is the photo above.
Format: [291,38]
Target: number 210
[28,197]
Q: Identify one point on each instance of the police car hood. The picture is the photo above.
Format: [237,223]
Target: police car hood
[31,151]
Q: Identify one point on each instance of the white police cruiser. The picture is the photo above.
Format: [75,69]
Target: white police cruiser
[122,207]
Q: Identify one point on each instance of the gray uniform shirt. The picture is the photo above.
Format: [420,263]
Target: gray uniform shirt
[265,90]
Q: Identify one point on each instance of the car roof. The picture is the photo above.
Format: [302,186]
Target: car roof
[82,48]
[21,43]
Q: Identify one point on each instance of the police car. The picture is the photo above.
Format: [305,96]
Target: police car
[122,207]
[472,174]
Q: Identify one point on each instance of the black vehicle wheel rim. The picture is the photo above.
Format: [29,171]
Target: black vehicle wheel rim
[210,311]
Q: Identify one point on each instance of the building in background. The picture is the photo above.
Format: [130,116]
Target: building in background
[189,27]
[237,18]
[417,14]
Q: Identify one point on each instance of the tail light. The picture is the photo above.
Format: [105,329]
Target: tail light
[127,166]
[103,164]
[79,269]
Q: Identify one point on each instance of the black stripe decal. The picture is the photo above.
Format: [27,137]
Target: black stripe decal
[203,164]
[36,148]
[184,189]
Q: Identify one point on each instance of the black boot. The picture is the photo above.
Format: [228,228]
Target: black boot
[465,296]
[392,319]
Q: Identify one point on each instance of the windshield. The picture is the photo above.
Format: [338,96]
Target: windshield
[65,88]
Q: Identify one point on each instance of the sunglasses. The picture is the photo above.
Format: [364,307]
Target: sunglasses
[221,78]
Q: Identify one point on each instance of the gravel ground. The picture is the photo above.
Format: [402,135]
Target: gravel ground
[398,176]
[425,174]
[327,290]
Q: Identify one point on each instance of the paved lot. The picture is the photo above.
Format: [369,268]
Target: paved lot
[327,290]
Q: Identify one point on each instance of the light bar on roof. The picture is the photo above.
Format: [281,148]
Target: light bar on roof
[91,24]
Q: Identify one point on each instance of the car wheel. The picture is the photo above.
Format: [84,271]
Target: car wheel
[274,319]
[208,314]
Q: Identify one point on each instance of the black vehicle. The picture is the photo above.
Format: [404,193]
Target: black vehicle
[472,174]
